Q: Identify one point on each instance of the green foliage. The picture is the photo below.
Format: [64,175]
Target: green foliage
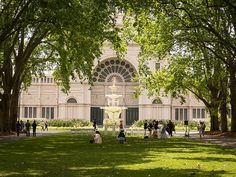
[69,123]
[65,36]
[181,33]
[138,123]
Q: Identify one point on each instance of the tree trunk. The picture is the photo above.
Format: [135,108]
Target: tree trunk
[6,113]
[1,116]
[233,100]
[214,119]
[14,109]
[223,116]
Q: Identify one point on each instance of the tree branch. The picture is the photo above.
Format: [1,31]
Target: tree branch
[8,27]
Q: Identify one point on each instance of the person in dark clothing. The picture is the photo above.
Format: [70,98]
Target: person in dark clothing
[121,137]
[121,125]
[145,126]
[34,125]
[22,126]
[18,128]
[150,127]
[94,125]
[170,128]
[46,126]
[156,125]
[27,127]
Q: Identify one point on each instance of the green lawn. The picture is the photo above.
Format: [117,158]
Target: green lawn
[72,155]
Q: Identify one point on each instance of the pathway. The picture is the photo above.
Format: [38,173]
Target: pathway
[22,135]
[216,139]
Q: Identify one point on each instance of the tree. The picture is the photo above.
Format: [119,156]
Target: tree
[167,25]
[193,73]
[66,35]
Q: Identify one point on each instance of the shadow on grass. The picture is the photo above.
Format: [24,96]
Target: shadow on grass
[72,155]
[113,171]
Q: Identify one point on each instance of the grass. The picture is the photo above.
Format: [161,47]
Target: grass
[71,155]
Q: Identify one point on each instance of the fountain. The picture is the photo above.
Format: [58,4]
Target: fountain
[113,109]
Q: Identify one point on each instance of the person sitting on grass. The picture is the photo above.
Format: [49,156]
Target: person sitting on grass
[121,137]
[97,138]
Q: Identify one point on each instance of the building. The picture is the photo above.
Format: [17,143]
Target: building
[44,99]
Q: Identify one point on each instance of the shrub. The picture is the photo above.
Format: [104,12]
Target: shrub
[138,123]
[69,123]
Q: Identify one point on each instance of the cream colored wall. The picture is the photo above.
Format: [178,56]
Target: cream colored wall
[81,109]
[49,94]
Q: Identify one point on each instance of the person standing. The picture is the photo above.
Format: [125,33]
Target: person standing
[46,125]
[170,128]
[201,128]
[22,126]
[150,127]
[34,125]
[145,126]
[18,128]
[27,126]
[156,123]
[94,125]
[121,125]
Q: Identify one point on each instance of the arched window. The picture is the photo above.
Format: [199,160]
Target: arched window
[157,101]
[122,69]
[117,77]
[71,100]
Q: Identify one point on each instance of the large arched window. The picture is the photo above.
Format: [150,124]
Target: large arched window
[123,70]
[157,101]
[71,100]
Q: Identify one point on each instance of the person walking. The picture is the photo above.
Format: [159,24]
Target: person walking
[34,125]
[201,128]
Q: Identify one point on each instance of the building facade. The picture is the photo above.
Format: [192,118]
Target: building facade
[44,99]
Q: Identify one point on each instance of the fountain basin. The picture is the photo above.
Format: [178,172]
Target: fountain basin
[113,96]
[113,109]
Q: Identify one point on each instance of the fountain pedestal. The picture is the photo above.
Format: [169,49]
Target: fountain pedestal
[113,109]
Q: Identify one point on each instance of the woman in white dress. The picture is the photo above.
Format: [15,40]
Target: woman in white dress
[163,132]
[97,138]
